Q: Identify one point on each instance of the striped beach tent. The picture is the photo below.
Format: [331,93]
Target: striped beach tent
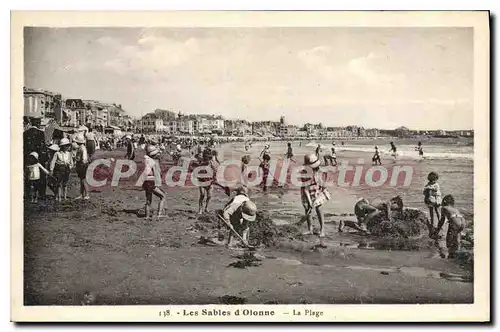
[49,131]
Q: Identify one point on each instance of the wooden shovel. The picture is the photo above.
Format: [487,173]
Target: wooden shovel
[228,224]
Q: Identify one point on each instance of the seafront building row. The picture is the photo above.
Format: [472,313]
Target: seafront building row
[42,107]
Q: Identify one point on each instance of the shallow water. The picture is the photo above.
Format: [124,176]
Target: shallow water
[452,162]
[412,271]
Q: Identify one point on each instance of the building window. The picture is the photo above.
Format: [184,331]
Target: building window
[30,103]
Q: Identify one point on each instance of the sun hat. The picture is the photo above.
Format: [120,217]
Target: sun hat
[249,211]
[79,138]
[34,154]
[311,160]
[54,147]
[152,150]
[128,137]
[64,141]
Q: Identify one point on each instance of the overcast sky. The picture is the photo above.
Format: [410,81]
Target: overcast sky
[374,77]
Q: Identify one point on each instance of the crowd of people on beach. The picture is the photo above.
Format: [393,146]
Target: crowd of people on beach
[52,167]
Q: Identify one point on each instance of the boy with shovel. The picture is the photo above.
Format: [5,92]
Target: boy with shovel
[237,215]
[313,195]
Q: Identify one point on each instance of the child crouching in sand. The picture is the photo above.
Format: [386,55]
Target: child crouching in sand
[314,195]
[365,211]
[149,185]
[456,224]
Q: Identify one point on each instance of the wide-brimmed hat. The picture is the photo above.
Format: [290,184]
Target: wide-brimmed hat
[152,150]
[249,211]
[80,138]
[34,154]
[54,147]
[64,141]
[311,160]
[128,137]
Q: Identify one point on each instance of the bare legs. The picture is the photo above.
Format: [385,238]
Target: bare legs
[330,160]
[83,189]
[34,188]
[205,196]
[321,221]
[243,230]
[431,212]
[149,199]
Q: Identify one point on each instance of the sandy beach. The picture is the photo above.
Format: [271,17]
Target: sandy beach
[104,247]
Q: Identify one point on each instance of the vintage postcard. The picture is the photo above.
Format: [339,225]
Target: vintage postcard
[250,166]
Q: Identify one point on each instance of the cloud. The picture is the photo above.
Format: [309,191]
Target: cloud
[354,72]
[317,59]
[149,54]
[360,67]
[108,41]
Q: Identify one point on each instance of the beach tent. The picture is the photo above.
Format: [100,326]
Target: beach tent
[53,131]
[113,130]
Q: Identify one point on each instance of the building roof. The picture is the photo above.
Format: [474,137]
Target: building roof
[38,91]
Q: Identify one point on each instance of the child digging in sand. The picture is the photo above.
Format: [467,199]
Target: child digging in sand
[365,211]
[314,194]
[239,211]
[432,196]
[456,224]
[149,185]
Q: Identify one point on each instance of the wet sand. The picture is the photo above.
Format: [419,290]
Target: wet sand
[103,246]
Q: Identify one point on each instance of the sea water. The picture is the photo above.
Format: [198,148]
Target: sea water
[453,161]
